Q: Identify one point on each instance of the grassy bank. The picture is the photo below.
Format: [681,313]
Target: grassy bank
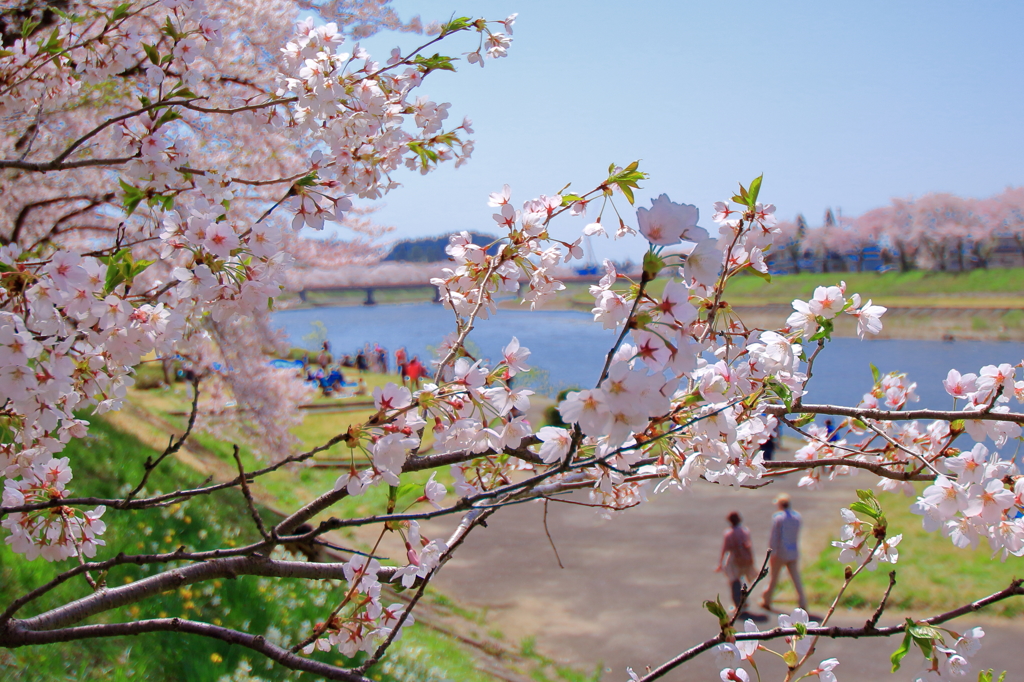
[983,305]
[105,464]
[932,575]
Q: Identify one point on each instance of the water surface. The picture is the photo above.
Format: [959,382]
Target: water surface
[571,348]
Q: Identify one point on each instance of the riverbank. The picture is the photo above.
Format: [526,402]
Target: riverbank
[981,305]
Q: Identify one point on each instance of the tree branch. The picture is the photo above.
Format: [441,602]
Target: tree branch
[16,636]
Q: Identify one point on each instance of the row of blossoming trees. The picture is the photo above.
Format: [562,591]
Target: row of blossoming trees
[160,156]
[935,231]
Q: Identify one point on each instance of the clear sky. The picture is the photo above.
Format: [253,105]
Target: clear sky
[841,104]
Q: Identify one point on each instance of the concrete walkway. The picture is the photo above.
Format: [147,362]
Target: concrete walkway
[632,587]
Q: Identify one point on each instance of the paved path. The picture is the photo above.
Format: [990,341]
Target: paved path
[632,587]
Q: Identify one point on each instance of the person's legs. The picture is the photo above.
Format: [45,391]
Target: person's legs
[794,573]
[737,592]
[775,570]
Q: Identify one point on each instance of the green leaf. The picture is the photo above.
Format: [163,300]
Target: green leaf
[311,179]
[167,117]
[868,504]
[28,27]
[152,53]
[52,44]
[458,24]
[717,610]
[757,273]
[183,93]
[825,331]
[569,198]
[755,189]
[791,658]
[897,656]
[166,202]
[782,391]
[628,193]
[407,493]
[115,269]
[170,30]
[863,509]
[804,420]
[120,12]
[132,197]
[875,374]
[437,62]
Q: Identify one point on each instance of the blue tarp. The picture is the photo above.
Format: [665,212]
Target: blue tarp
[285,364]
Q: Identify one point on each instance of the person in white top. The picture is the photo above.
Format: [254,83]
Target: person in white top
[784,542]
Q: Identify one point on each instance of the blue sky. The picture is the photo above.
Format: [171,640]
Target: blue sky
[838,104]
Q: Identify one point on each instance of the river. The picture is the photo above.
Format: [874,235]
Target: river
[569,348]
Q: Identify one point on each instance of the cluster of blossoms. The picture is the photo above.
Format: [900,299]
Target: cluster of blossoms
[866,543]
[663,389]
[361,622]
[798,645]
[828,302]
[474,410]
[975,499]
[943,663]
[190,258]
[197,248]
[951,661]
[55,533]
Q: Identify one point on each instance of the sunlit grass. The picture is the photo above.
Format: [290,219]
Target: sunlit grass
[931,575]
[104,464]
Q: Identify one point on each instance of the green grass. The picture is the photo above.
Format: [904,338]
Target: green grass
[1001,287]
[104,464]
[931,574]
[890,288]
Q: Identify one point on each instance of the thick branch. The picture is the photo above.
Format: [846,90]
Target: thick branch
[114,597]
[835,632]
[895,415]
[15,636]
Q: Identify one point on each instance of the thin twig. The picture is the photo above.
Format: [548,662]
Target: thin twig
[172,446]
[253,512]
[548,533]
[745,591]
[873,621]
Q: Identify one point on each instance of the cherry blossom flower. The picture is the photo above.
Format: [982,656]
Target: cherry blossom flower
[555,444]
[704,263]
[515,357]
[669,223]
[824,670]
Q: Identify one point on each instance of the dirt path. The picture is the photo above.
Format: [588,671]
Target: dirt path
[632,587]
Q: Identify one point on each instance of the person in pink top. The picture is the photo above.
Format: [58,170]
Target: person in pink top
[737,557]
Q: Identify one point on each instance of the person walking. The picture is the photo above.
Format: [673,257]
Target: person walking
[784,543]
[737,557]
[415,371]
[401,358]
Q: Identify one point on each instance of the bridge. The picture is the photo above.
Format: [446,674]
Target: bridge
[368,288]
[371,284]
